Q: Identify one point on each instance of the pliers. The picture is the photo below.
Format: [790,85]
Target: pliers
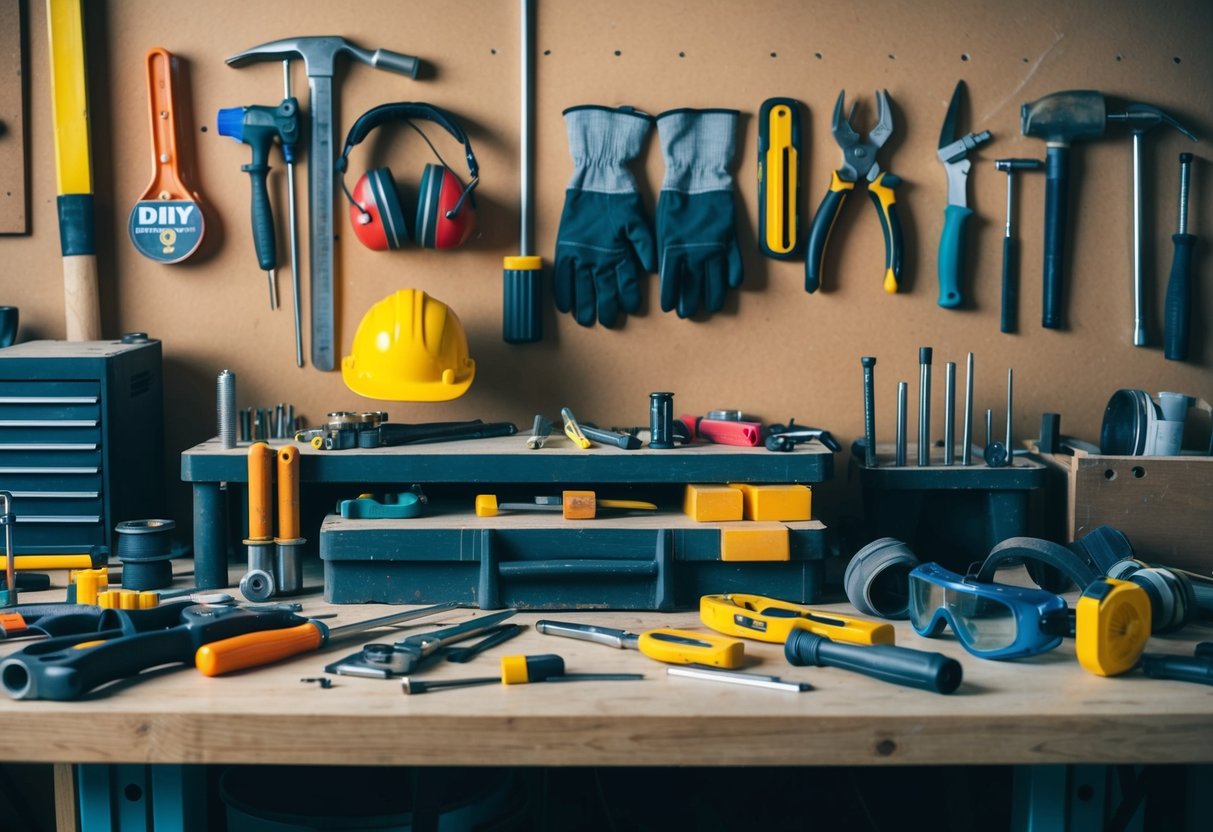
[858,160]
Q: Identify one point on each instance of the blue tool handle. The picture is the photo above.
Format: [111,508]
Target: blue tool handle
[1057,187]
[819,235]
[1010,285]
[1179,668]
[952,254]
[263,217]
[890,663]
[1179,297]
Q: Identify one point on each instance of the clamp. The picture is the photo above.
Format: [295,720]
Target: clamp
[858,161]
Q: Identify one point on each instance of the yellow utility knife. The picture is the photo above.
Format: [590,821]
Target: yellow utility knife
[769,619]
[573,430]
[665,644]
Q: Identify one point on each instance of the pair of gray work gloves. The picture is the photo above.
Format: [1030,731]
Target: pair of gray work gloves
[605,239]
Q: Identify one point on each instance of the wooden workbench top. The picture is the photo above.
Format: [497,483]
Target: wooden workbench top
[1043,710]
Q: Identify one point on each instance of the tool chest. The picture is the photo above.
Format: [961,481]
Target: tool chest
[660,562]
[81,440]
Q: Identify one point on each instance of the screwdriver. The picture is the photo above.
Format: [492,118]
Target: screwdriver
[665,644]
[574,505]
[267,646]
[899,665]
[1179,285]
[520,670]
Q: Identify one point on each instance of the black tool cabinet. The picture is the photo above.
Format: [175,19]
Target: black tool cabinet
[81,440]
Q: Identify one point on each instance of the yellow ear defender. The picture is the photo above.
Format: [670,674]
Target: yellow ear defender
[1112,626]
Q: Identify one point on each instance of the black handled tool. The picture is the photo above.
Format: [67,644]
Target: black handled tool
[887,662]
[1010,246]
[1179,284]
[259,127]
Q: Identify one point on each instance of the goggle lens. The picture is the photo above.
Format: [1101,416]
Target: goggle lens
[984,624]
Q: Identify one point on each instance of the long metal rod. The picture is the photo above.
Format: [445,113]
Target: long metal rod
[900,449]
[290,189]
[1139,315]
[949,413]
[10,563]
[1007,442]
[966,452]
[524,120]
[924,406]
[737,677]
[869,410]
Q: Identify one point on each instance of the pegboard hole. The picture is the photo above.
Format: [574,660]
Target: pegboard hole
[1137,471]
[682,54]
[618,53]
[774,54]
[817,55]
[1109,474]
[547,51]
[1119,57]
[1176,59]
[892,57]
[964,56]
[204,128]
[492,51]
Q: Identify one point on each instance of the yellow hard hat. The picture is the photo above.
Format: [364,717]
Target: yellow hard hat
[409,347]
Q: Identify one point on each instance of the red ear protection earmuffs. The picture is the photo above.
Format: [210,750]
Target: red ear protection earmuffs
[446,211]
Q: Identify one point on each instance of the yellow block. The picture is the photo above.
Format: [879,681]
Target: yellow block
[712,503]
[776,502]
[755,543]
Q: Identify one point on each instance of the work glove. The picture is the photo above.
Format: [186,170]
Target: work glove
[696,230]
[604,239]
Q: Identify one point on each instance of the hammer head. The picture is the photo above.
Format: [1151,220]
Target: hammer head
[1063,117]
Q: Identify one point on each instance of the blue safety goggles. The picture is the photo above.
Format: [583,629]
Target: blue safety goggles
[992,621]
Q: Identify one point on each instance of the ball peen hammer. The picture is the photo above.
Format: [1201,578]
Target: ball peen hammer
[320,56]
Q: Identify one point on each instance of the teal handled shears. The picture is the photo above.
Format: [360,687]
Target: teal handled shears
[953,154]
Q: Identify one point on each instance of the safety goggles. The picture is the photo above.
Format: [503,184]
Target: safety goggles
[992,621]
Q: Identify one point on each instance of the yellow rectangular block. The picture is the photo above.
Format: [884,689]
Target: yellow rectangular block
[712,503]
[755,543]
[776,502]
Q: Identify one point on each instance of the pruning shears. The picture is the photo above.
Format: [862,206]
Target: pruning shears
[953,154]
[769,619]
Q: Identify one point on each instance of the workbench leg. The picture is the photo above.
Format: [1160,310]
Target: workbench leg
[210,536]
[142,798]
[1069,799]
[66,819]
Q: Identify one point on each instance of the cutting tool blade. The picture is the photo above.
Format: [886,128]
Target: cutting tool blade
[948,133]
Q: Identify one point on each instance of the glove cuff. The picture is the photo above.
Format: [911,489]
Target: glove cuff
[601,142]
[698,146]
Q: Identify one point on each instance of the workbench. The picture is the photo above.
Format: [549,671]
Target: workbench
[1043,712]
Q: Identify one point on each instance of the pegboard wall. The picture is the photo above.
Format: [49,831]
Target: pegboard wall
[774,351]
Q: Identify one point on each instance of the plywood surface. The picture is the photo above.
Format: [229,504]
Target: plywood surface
[1042,710]
[774,351]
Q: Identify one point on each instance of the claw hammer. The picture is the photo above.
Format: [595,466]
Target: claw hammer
[319,56]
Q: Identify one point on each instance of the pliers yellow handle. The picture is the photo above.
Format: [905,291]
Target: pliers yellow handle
[881,192]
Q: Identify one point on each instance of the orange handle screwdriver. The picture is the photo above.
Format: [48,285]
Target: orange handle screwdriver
[288,492]
[268,646]
[260,501]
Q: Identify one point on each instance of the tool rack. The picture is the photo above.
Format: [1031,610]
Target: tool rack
[661,561]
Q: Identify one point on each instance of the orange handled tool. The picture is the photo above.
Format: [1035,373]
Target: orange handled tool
[288,492]
[260,502]
[166,223]
[268,646]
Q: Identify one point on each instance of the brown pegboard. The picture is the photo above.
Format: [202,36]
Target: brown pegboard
[14,199]
[774,351]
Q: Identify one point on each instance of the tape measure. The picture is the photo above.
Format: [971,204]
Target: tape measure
[1111,626]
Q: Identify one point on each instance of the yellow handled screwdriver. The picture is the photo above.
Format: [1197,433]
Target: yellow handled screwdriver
[519,670]
[665,644]
[769,619]
[267,646]
[574,505]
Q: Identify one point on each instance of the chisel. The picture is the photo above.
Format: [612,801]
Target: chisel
[73,167]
